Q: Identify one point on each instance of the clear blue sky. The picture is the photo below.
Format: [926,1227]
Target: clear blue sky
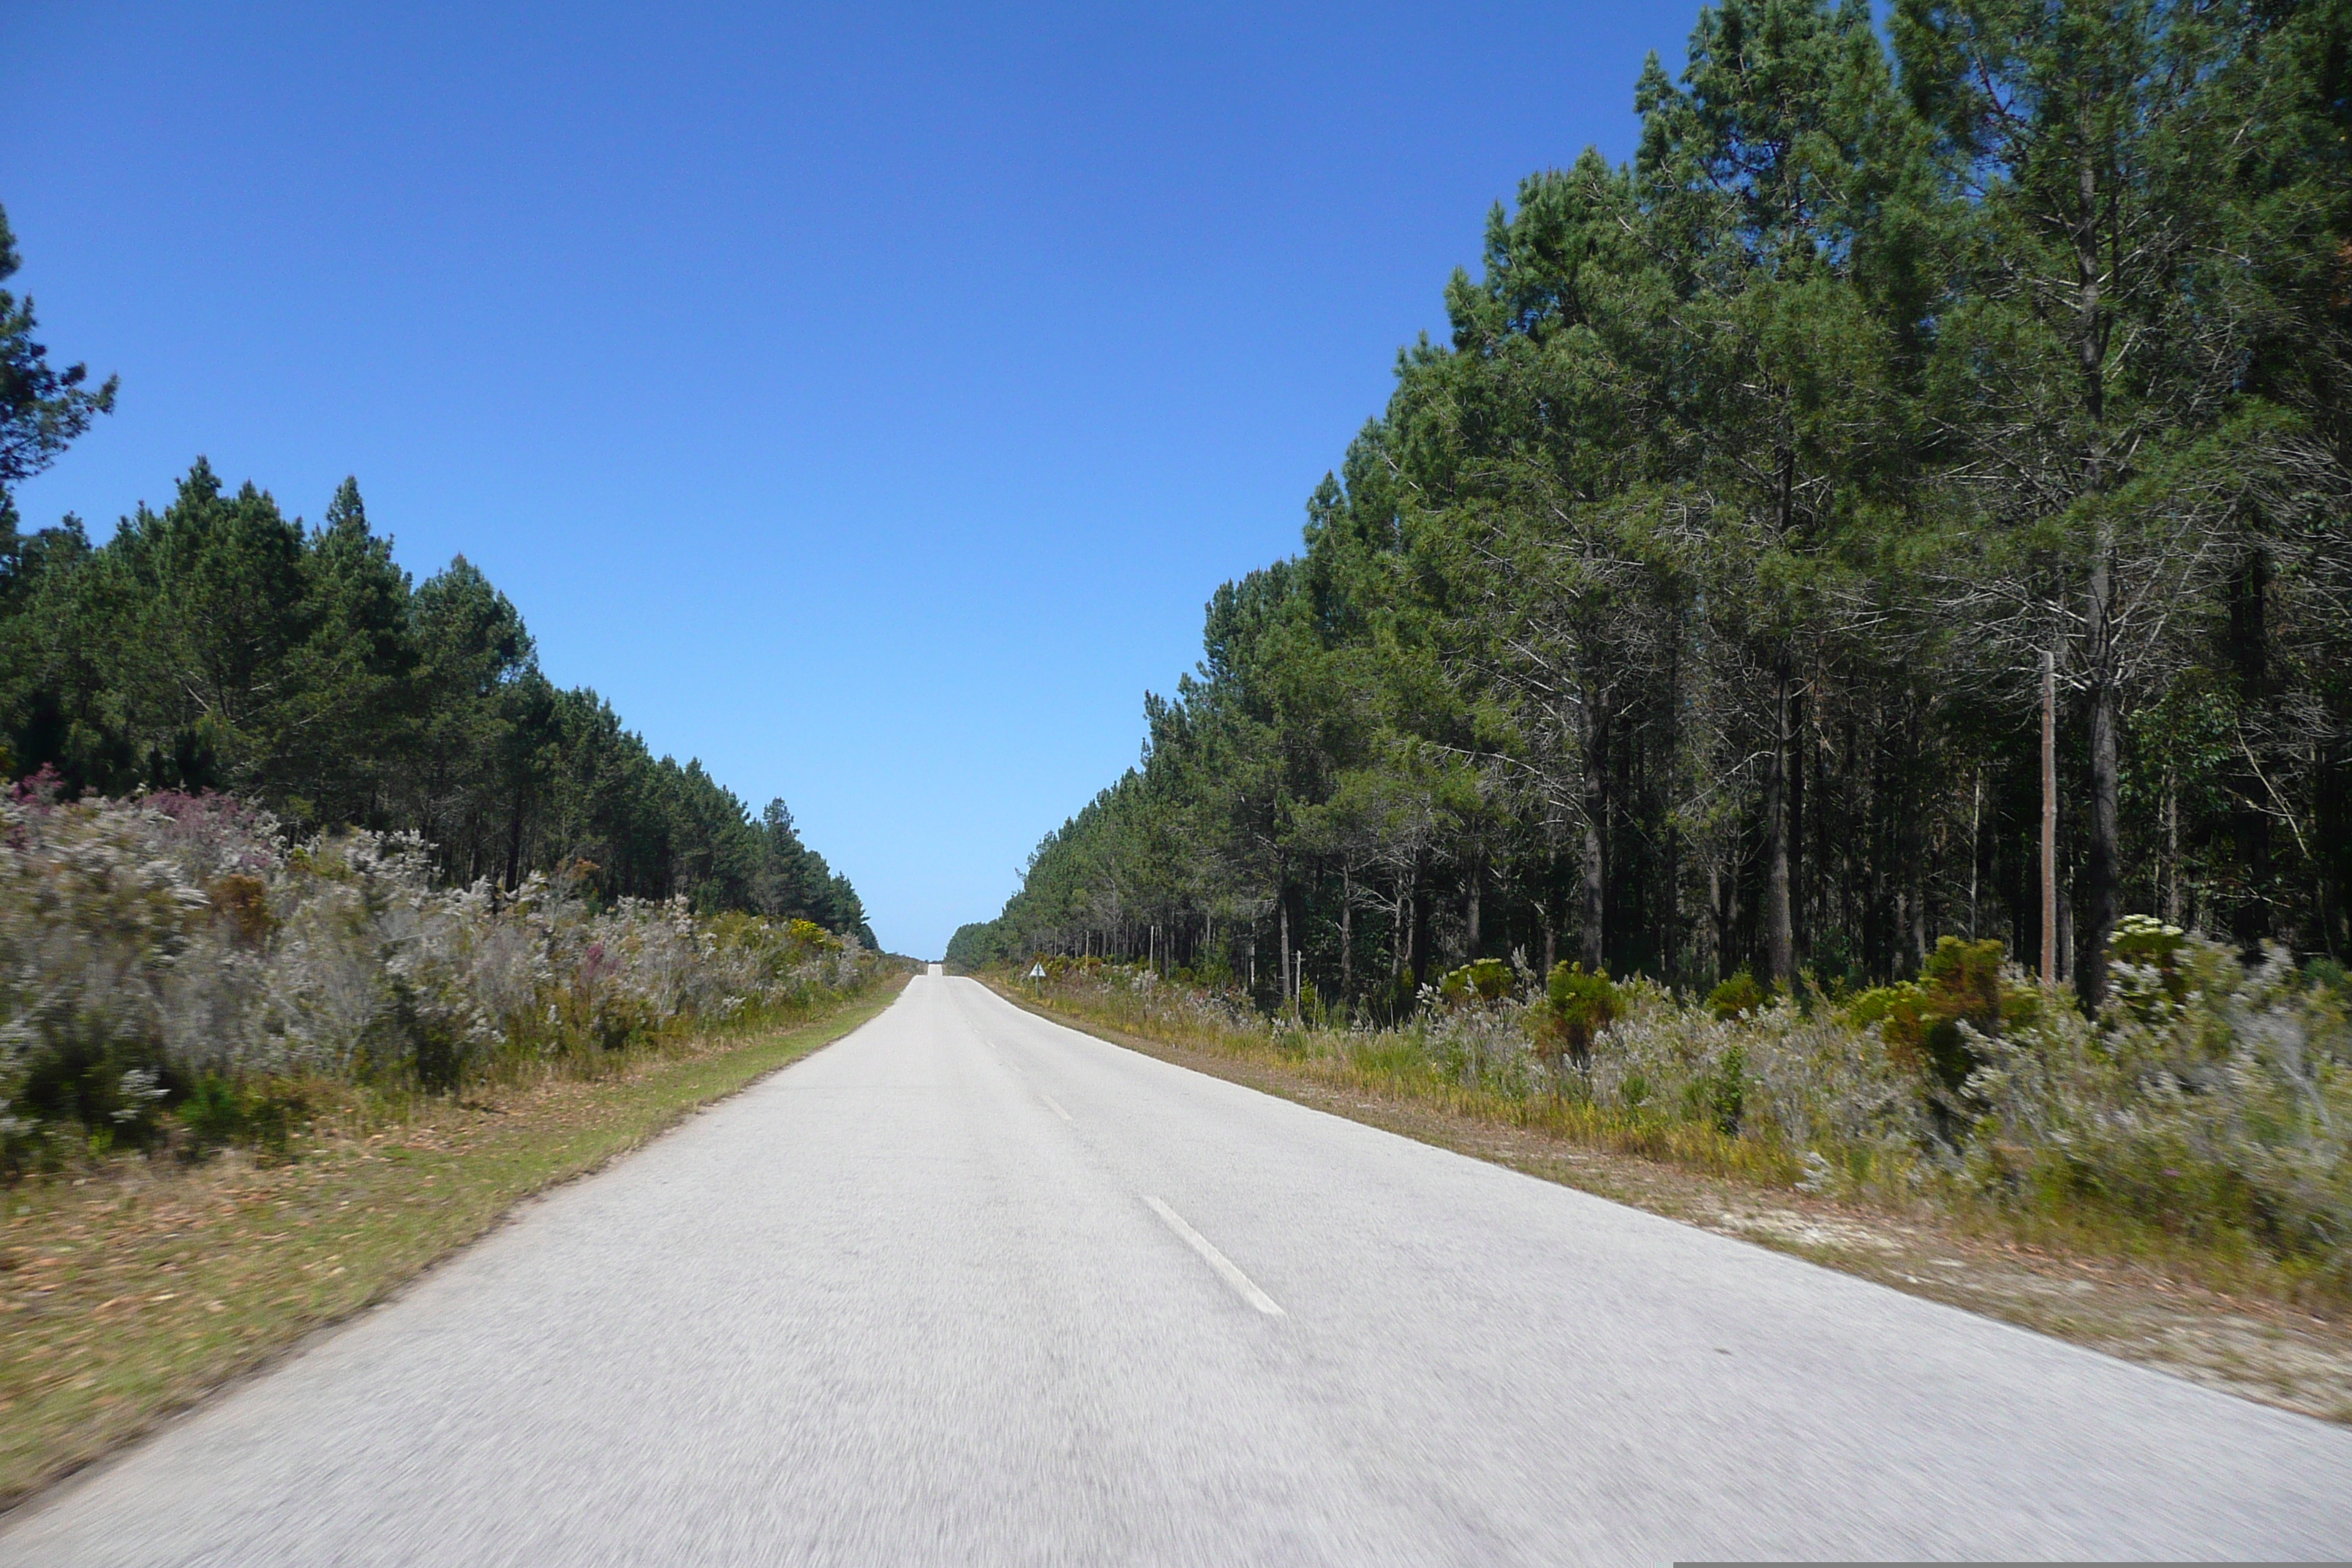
[865,399]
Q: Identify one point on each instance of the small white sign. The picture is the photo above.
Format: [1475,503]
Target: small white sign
[1036,972]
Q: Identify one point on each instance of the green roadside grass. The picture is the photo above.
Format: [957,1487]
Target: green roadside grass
[130,1292]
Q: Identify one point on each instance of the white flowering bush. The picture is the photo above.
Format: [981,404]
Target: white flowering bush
[2212,1098]
[1805,1082]
[154,950]
[1137,996]
[1475,1041]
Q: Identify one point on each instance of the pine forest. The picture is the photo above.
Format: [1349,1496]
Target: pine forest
[1692,610]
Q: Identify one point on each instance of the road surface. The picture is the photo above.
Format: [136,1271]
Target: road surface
[969,1287]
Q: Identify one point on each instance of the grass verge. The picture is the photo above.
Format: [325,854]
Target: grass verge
[2171,1310]
[129,1293]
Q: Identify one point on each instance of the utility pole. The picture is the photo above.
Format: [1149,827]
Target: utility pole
[1976,860]
[1282,904]
[2172,847]
[2049,819]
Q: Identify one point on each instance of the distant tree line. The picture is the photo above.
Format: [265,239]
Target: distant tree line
[220,644]
[1687,611]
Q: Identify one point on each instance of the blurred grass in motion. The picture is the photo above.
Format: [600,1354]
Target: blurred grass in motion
[1472,1062]
[2200,1123]
[177,972]
[129,1290]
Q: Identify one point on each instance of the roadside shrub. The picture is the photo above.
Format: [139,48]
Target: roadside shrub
[1477,1044]
[162,960]
[1721,1097]
[1737,997]
[218,1110]
[1481,980]
[1792,1082]
[1576,1007]
[2222,1107]
[2147,960]
[211,1112]
[2212,1098]
[1921,1020]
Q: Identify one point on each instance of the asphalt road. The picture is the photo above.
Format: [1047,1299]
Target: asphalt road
[969,1287]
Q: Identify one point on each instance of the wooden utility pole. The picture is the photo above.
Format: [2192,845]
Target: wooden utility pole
[2049,819]
[1283,905]
[1976,860]
[2172,847]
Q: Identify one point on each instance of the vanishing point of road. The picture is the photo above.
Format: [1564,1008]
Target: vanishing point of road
[969,1287]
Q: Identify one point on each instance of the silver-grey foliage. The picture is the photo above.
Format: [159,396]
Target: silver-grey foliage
[152,943]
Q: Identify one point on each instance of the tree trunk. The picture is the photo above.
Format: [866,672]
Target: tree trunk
[2102,857]
[2250,661]
[2332,822]
[1594,890]
[1283,904]
[2049,820]
[1799,931]
[1779,939]
[1346,936]
[1718,922]
[514,844]
[1470,913]
[1670,910]
[2065,935]
[1595,885]
[1399,925]
[1419,966]
[2171,849]
[1976,862]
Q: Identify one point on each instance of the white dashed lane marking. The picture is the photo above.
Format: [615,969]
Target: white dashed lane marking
[1241,1282]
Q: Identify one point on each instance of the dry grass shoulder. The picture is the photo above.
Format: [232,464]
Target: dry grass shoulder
[2176,1311]
[130,1290]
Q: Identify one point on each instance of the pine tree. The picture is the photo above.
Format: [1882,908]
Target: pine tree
[42,408]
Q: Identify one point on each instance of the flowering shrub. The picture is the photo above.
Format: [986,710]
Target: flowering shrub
[1576,1007]
[160,952]
[2213,1097]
